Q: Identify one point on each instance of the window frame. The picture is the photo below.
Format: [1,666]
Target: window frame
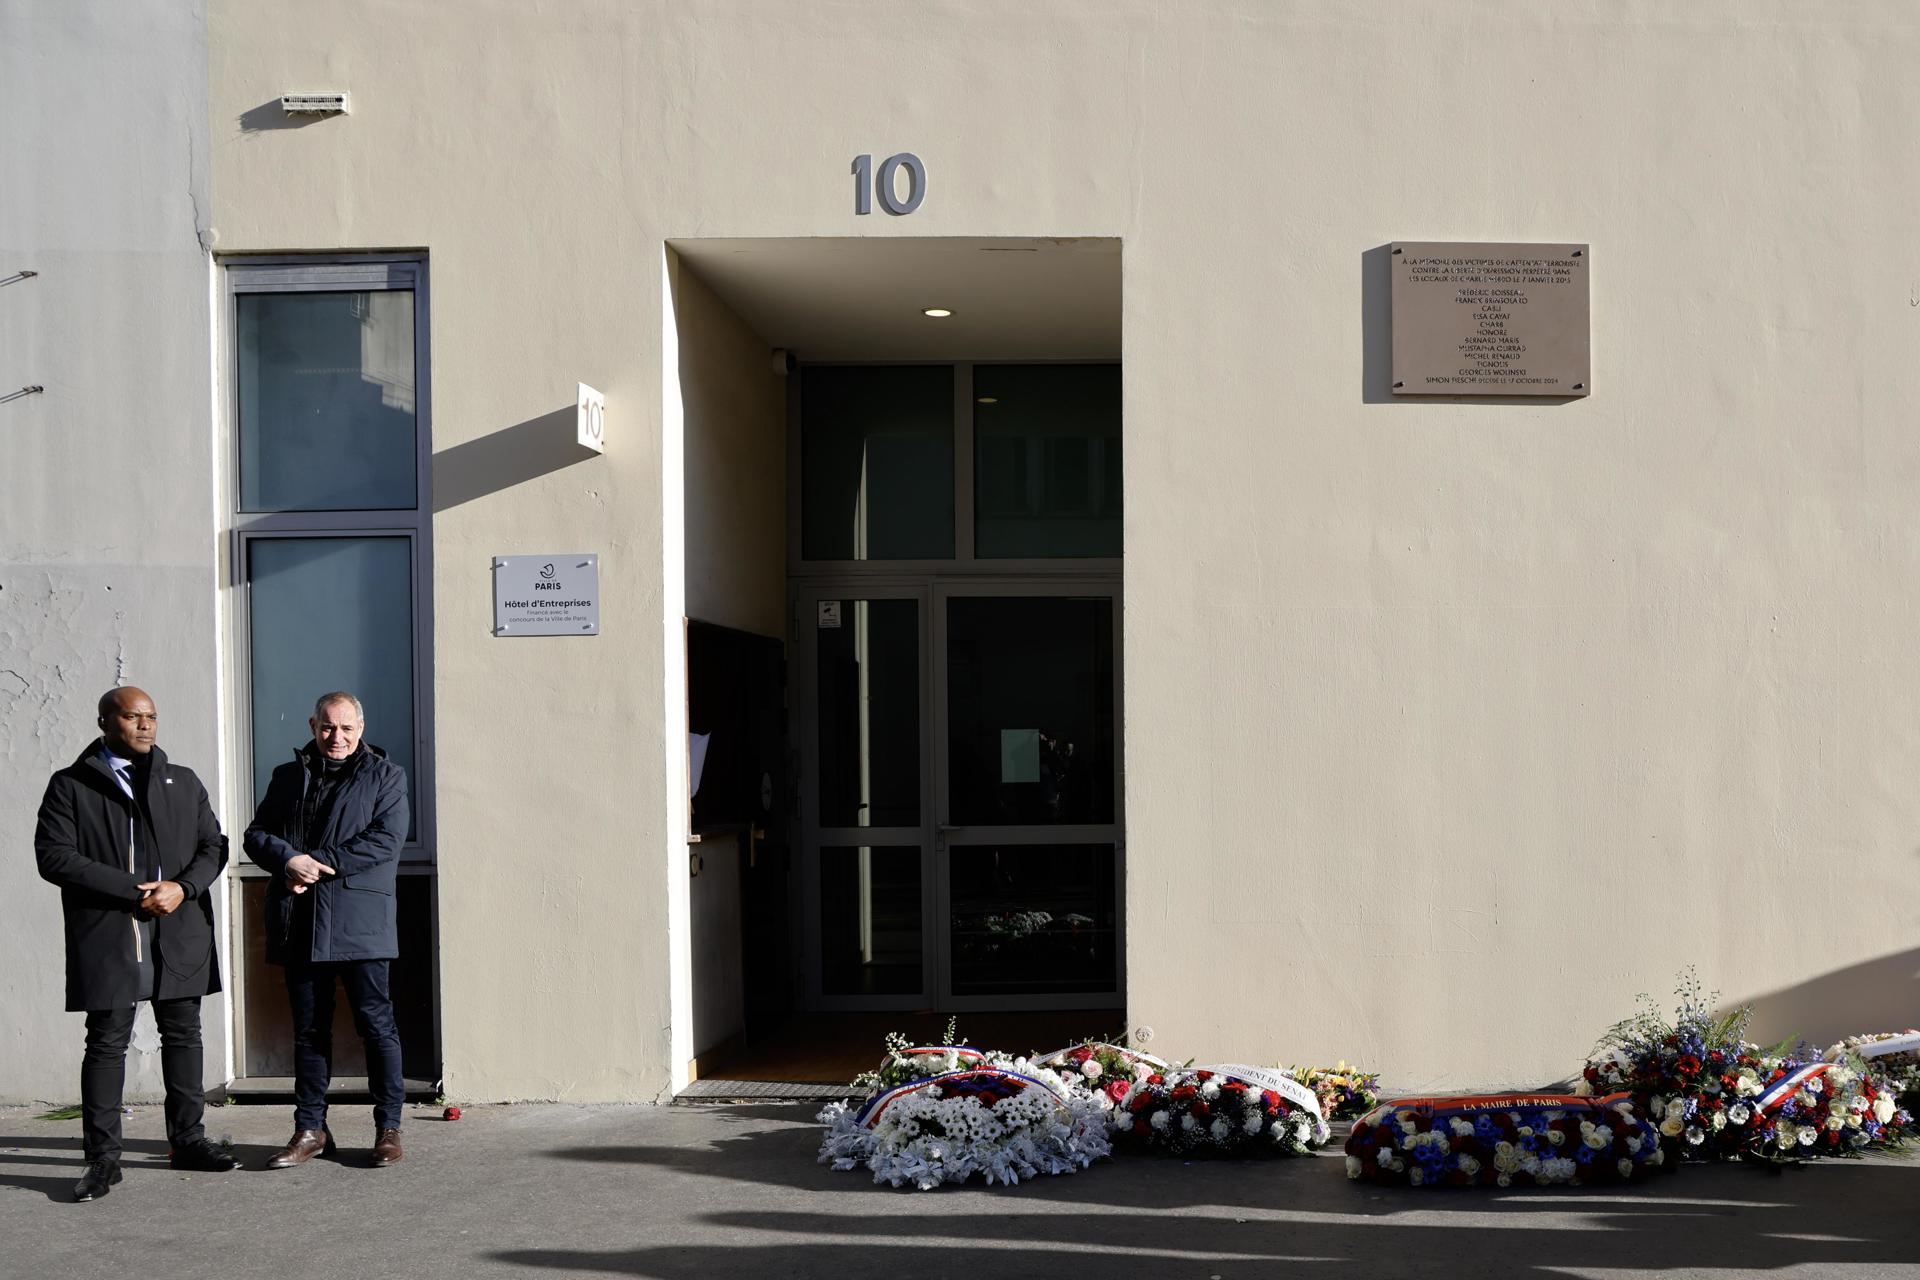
[964,561]
[332,274]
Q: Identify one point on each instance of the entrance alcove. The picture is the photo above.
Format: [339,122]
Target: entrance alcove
[900,665]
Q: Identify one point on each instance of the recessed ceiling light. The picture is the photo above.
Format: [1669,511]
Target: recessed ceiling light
[988,400]
[938,313]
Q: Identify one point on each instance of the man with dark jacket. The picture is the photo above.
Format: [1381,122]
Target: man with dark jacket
[133,844]
[330,829]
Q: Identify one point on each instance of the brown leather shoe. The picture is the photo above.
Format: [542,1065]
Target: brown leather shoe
[386,1148]
[306,1144]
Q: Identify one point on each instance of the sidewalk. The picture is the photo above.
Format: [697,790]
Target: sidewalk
[697,1192]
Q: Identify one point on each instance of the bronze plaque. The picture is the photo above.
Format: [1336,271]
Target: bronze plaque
[1490,320]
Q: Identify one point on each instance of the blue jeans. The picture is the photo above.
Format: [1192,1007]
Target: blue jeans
[310,990]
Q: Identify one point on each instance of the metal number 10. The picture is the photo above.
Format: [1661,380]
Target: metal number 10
[866,184]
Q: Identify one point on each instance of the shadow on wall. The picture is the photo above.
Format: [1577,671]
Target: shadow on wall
[269,115]
[507,457]
[1879,995]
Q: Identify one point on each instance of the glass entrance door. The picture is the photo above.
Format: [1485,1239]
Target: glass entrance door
[1027,846]
[961,837]
[955,560]
[864,799]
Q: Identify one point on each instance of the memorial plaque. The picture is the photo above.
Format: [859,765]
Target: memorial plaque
[546,595]
[1490,320]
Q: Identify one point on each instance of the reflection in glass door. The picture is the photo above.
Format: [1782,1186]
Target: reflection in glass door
[1027,841]
[863,801]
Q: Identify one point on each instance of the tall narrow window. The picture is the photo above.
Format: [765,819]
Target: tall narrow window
[331,507]
[332,553]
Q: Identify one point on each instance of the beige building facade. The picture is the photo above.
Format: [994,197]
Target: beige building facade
[1434,728]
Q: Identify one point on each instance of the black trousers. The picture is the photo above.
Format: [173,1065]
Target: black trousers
[103,1074]
[310,989]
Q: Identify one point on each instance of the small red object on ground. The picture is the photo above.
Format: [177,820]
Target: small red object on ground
[451,1113]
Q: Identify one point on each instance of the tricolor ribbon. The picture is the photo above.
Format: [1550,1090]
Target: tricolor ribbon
[1286,1086]
[870,1111]
[1442,1106]
[1780,1090]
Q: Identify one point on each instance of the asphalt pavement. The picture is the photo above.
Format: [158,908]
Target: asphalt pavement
[690,1193]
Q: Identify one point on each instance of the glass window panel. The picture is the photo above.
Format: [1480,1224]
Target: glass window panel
[1034,920]
[1046,460]
[869,682]
[1030,709]
[876,463]
[325,401]
[870,921]
[326,614]
[269,1024]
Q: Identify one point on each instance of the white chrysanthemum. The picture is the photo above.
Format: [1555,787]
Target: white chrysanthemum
[1695,1135]
[1188,1123]
[1739,1113]
[1219,1128]
[1806,1135]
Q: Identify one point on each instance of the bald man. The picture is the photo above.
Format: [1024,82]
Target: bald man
[135,848]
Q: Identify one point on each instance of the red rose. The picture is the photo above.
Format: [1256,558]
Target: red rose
[1156,1078]
[1198,1109]
[1117,1089]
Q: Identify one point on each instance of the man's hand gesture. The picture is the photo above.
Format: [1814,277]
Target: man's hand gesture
[303,872]
[160,897]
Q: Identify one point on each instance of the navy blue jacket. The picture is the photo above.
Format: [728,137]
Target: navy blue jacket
[353,910]
[83,843]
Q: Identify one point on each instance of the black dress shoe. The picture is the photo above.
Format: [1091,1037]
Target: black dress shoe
[98,1179]
[202,1156]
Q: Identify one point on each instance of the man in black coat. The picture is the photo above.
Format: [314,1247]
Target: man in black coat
[330,830]
[133,844]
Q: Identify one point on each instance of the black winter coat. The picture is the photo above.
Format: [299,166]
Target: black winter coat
[83,843]
[366,823]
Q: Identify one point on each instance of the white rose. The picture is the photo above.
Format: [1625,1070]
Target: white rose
[1883,1109]
[1353,1166]
[1090,1069]
[1504,1180]
[1625,1167]
[1416,1175]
